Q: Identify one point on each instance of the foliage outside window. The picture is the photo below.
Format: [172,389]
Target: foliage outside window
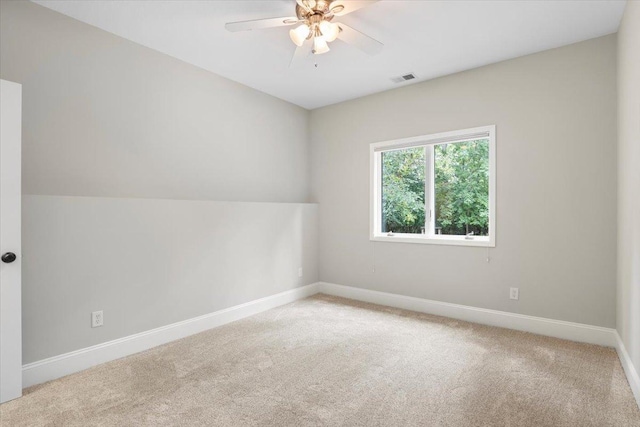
[462,188]
[436,188]
[403,191]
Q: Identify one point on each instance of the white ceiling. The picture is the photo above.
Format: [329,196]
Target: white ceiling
[428,38]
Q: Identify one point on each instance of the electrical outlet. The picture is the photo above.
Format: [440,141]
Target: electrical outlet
[97,319]
[514,293]
[300,272]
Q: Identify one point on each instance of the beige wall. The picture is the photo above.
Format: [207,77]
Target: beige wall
[555,113]
[628,308]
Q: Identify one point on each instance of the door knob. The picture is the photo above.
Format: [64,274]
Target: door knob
[8,257]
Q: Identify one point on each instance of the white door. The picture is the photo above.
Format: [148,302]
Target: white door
[10,230]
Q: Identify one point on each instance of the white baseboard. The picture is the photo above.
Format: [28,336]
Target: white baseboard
[629,369]
[79,360]
[75,361]
[537,325]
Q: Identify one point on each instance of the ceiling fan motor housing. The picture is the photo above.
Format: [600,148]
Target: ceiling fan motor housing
[306,9]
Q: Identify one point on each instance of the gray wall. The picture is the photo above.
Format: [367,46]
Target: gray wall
[555,113]
[148,263]
[105,117]
[628,308]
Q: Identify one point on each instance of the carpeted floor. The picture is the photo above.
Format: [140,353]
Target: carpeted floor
[331,361]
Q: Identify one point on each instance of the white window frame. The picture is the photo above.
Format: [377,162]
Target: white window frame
[429,141]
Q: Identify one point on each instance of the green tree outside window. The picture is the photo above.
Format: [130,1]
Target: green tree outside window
[461,189]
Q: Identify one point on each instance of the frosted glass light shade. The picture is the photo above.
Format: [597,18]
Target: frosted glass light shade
[299,35]
[320,45]
[329,30]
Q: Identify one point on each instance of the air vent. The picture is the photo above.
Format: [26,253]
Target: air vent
[404,78]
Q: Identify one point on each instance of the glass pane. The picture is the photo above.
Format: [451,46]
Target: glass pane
[403,190]
[462,188]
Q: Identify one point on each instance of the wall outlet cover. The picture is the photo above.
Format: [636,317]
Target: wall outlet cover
[97,319]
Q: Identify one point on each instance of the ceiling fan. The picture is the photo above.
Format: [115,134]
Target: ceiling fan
[316,29]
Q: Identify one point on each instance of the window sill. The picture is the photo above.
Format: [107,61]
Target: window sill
[481,241]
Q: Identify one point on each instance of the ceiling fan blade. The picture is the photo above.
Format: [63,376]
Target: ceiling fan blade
[259,24]
[350,6]
[301,53]
[359,40]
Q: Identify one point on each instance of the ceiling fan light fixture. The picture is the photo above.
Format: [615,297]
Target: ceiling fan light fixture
[312,28]
[320,45]
[300,34]
[329,30]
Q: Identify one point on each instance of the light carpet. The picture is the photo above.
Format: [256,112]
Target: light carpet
[330,361]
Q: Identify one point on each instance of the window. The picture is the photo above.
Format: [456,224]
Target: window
[435,189]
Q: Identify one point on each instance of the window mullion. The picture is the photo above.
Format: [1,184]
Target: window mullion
[380,193]
[428,190]
[432,191]
[427,216]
